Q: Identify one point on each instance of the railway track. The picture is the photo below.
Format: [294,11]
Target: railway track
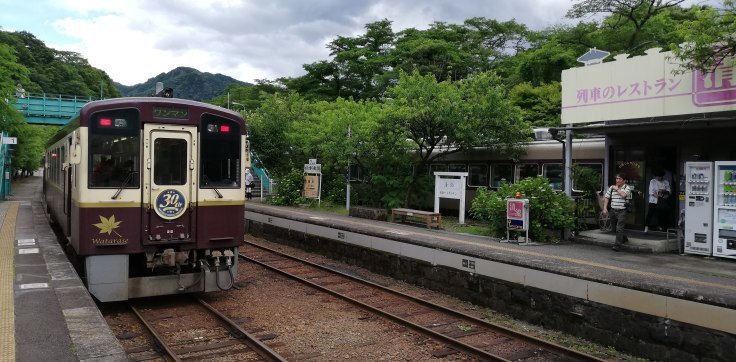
[191,329]
[460,332]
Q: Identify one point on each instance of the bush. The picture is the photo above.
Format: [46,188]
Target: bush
[549,209]
[289,191]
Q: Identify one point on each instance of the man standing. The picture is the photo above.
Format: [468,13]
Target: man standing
[617,195]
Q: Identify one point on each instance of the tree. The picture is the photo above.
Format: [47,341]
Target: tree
[540,106]
[57,72]
[442,118]
[624,13]
[271,132]
[709,38]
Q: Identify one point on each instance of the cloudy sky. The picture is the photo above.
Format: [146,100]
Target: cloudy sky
[134,40]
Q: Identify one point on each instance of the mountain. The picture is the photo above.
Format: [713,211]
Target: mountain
[188,83]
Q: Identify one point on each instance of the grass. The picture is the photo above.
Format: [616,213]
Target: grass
[472,227]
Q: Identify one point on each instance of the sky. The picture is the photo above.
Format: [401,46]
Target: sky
[135,40]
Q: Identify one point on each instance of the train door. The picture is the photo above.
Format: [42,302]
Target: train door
[169,177]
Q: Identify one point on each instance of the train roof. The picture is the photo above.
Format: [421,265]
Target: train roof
[143,102]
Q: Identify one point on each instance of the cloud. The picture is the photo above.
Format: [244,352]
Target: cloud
[134,40]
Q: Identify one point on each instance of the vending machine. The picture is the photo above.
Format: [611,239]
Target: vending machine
[699,208]
[724,210]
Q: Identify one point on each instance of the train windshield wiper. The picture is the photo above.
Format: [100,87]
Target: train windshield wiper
[207,182]
[125,183]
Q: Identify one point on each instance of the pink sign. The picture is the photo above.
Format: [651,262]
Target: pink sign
[715,88]
[515,209]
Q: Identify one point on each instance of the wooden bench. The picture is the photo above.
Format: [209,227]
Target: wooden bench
[434,219]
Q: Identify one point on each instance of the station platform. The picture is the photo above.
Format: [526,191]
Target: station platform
[631,299]
[46,313]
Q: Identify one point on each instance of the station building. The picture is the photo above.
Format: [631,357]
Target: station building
[655,115]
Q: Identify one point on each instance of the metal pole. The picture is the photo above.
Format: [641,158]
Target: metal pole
[347,176]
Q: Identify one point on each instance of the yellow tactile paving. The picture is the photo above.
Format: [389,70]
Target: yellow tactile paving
[7,257]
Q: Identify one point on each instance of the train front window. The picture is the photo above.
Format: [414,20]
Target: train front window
[170,163]
[220,153]
[114,149]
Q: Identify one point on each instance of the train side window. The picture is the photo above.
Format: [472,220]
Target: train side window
[437,168]
[478,175]
[457,168]
[501,173]
[553,172]
[595,170]
[524,170]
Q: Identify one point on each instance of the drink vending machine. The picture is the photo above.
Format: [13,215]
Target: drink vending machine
[699,208]
[724,210]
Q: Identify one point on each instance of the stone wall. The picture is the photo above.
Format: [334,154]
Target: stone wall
[642,335]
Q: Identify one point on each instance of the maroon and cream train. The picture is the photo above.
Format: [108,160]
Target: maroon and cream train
[149,192]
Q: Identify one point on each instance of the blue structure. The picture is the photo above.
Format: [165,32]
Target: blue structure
[48,109]
[6,167]
[261,172]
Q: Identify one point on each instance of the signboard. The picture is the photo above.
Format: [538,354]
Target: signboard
[449,188]
[450,185]
[311,187]
[312,168]
[517,214]
[10,140]
[643,87]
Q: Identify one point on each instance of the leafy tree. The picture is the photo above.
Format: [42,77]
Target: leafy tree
[629,15]
[709,38]
[442,118]
[540,106]
[57,72]
[271,133]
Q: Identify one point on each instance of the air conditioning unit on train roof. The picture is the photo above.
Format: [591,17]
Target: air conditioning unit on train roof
[541,134]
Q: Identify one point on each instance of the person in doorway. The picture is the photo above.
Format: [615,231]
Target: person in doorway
[248,184]
[617,196]
[659,191]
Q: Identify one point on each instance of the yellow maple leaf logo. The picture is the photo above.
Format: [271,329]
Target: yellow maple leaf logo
[108,225]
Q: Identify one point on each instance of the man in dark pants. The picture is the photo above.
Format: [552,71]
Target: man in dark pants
[617,195]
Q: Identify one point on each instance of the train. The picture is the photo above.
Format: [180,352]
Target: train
[149,193]
[543,157]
